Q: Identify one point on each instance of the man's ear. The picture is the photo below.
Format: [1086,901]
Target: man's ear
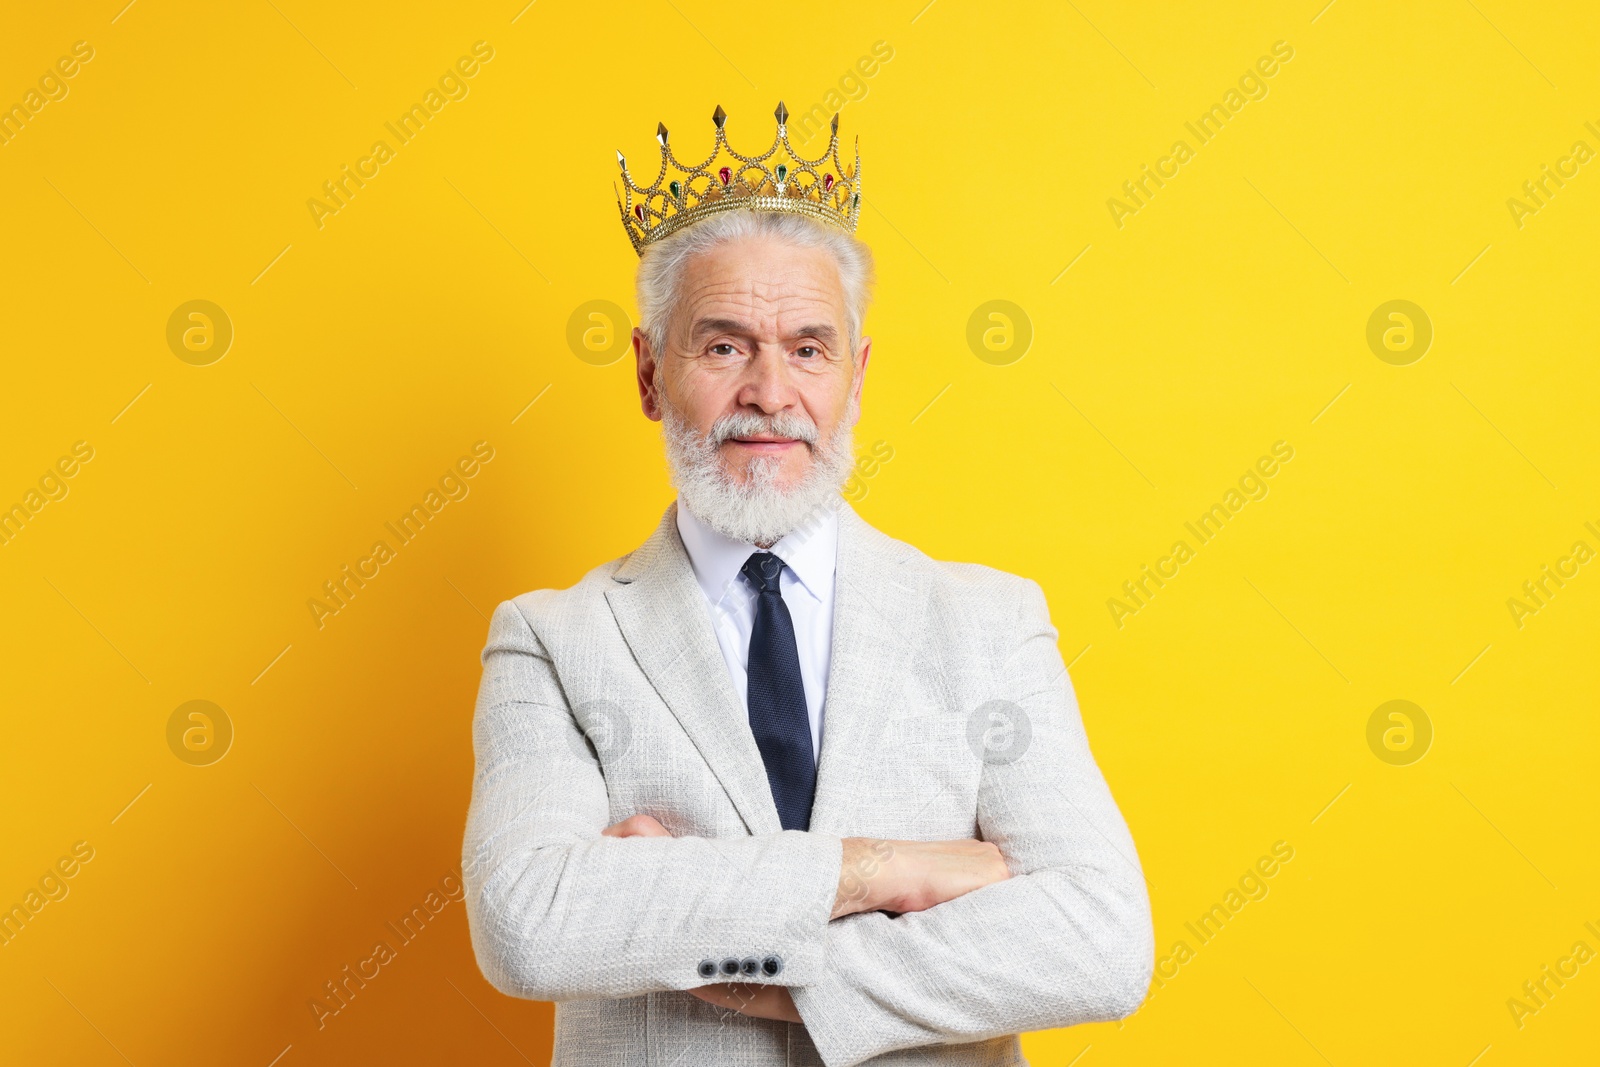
[863,353]
[644,362]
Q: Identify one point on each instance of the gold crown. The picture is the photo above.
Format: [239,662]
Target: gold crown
[691,193]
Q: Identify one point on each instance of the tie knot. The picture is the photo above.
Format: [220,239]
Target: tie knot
[763,569]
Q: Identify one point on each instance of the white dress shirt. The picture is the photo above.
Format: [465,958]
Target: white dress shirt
[809,555]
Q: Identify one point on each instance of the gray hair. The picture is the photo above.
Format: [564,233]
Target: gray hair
[661,266]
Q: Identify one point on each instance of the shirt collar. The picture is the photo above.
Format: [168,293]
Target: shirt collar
[810,552]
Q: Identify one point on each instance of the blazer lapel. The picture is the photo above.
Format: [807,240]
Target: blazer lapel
[879,611]
[878,615]
[664,618]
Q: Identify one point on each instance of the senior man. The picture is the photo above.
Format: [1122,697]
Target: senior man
[776,788]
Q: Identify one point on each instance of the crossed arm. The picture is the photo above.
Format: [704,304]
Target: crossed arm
[1043,923]
[874,875]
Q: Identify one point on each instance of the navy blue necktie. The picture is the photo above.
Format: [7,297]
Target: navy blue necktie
[777,697]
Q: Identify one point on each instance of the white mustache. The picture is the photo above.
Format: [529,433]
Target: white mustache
[748,424]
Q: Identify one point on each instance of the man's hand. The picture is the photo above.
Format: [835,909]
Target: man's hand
[874,875]
[901,876]
[878,875]
[635,826]
[756,1001]
[746,998]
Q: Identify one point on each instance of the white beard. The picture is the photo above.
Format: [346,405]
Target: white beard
[759,511]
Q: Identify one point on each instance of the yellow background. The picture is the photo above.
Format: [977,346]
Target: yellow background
[1227,314]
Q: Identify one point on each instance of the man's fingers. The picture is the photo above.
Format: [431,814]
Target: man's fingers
[756,1001]
[902,876]
[723,994]
[636,826]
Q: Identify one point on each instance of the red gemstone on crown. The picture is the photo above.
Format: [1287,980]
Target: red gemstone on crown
[827,182]
[638,212]
[725,174]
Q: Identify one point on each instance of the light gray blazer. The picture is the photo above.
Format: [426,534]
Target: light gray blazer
[949,714]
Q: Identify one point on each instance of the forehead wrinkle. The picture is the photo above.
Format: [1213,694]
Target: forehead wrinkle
[774,299]
[779,315]
[765,324]
[753,290]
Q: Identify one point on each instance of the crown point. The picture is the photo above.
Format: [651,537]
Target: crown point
[782,113]
[623,163]
[719,116]
[661,133]
[835,122]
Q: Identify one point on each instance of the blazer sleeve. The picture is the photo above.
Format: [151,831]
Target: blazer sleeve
[557,912]
[1067,939]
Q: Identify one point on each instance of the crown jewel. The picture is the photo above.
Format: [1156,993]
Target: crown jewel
[779,179]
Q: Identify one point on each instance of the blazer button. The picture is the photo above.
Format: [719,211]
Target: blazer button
[708,968]
[730,966]
[750,967]
[772,965]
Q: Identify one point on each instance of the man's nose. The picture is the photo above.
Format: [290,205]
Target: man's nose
[766,383]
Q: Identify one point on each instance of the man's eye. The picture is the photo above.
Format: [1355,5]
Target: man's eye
[723,349]
[808,351]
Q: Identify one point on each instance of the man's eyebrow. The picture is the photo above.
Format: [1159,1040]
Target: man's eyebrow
[820,330]
[705,326]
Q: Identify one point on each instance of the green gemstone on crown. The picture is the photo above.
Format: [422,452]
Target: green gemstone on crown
[675,189]
[783,172]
